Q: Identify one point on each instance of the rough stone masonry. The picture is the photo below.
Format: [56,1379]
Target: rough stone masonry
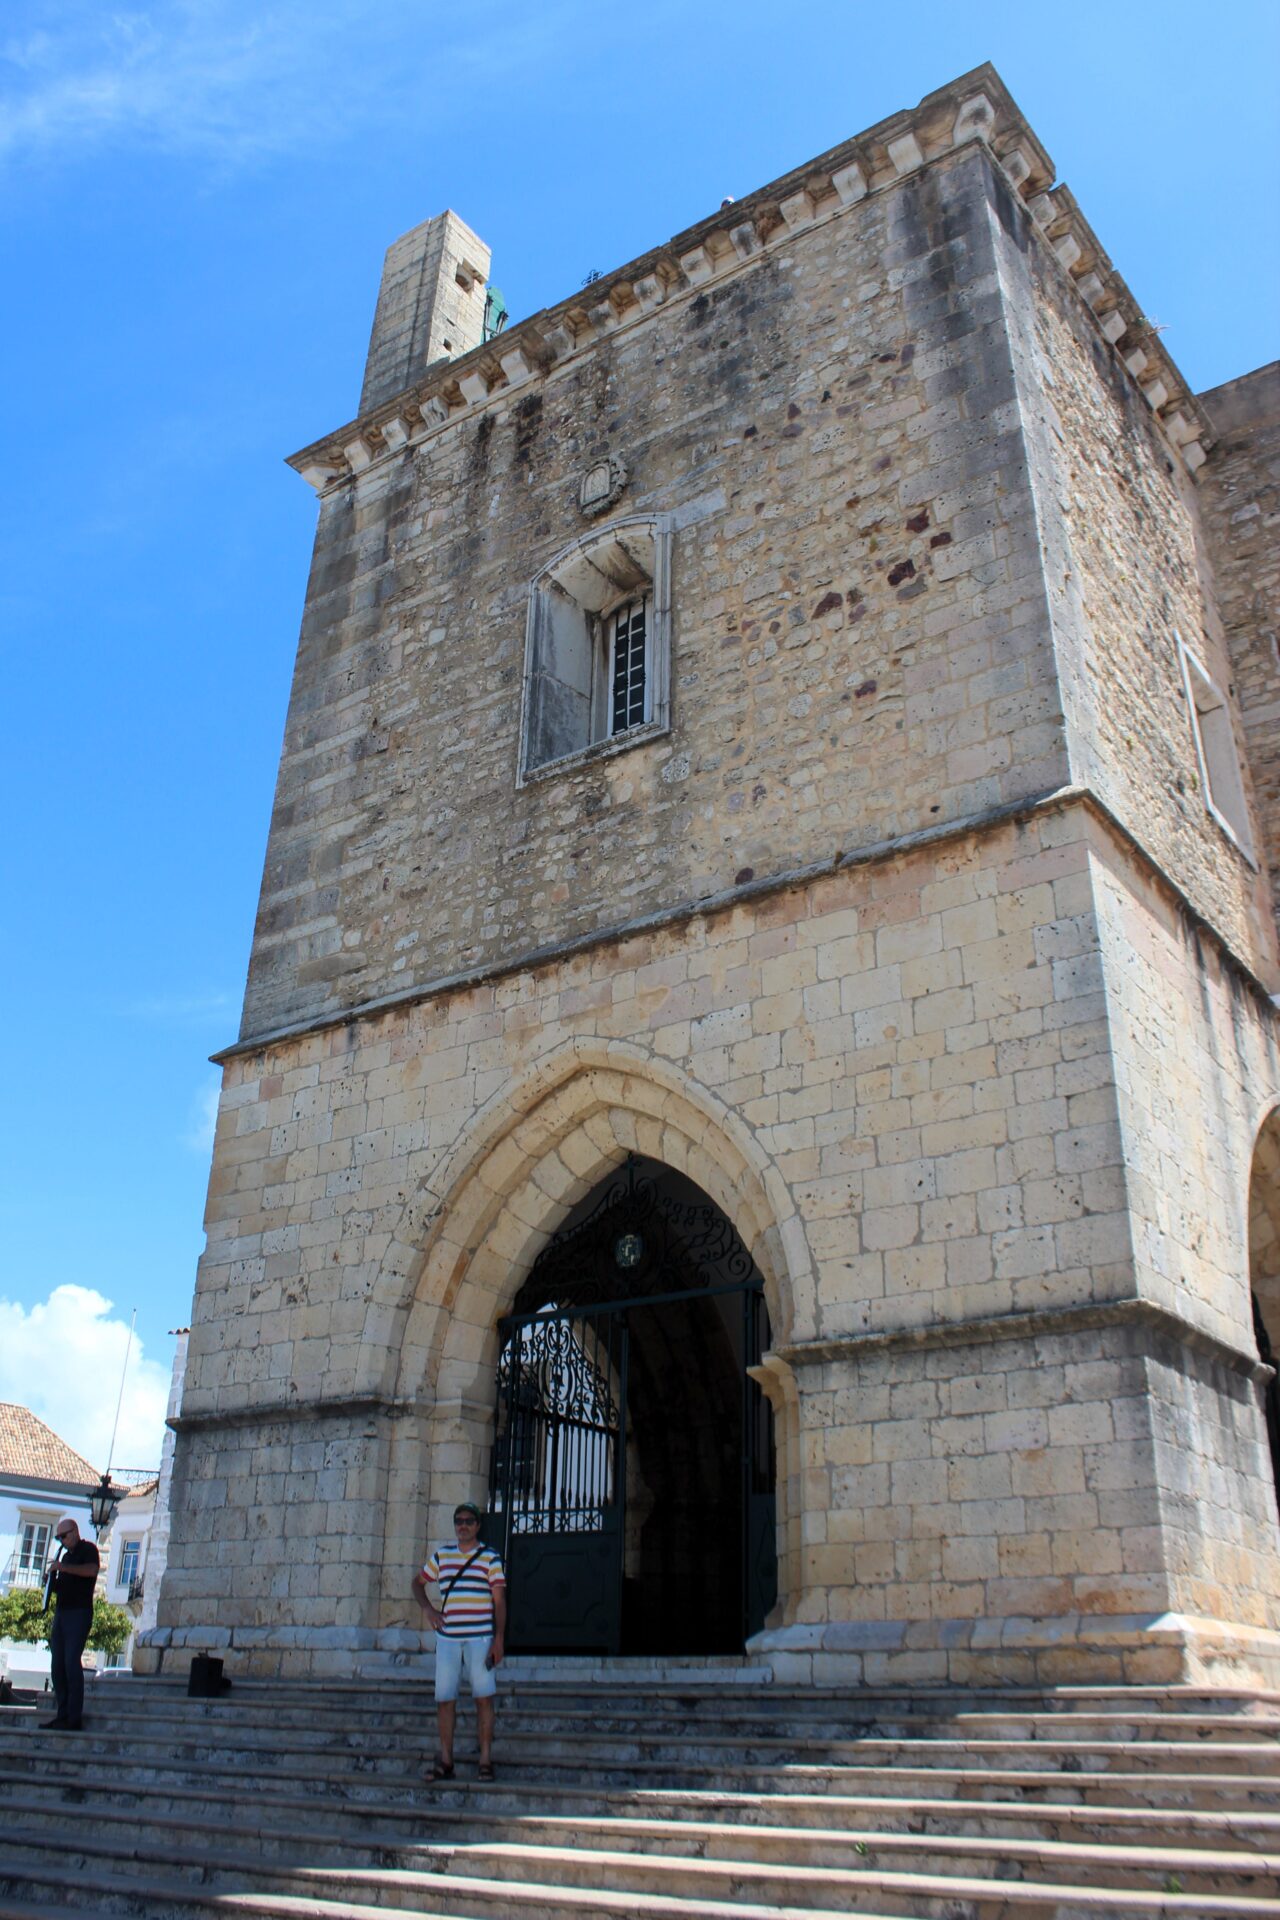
[926,921]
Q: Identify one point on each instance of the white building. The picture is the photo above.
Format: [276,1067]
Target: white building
[126,1547]
[157,1545]
[41,1478]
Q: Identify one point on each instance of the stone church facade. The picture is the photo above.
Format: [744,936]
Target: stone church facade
[797,718]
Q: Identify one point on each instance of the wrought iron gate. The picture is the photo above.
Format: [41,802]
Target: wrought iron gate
[559,1485]
[558,1492]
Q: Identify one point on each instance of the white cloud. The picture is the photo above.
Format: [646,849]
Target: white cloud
[203,1120]
[63,1357]
[220,79]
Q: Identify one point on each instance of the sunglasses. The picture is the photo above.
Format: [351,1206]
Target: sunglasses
[465,1520]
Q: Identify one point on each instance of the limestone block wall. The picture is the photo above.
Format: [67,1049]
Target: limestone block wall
[1217,1488]
[859,649]
[290,1511]
[1010,1477]
[1197,1068]
[902,1083]
[911,942]
[1127,570]
[1240,503]
[906,1040]
[1087,1500]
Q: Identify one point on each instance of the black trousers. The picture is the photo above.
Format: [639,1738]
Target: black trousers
[66,1643]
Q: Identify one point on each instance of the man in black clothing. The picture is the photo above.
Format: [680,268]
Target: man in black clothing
[73,1578]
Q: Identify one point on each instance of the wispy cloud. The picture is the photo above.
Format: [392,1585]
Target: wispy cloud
[202,1120]
[214,78]
[64,1358]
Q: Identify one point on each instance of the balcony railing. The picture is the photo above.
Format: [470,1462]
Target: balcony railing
[135,1590]
[22,1573]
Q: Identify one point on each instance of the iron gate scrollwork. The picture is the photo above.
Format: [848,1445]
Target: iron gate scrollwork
[559,1475]
[558,1490]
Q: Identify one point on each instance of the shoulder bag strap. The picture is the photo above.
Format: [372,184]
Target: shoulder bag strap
[445,1591]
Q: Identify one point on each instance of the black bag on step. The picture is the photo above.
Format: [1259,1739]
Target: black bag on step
[206,1682]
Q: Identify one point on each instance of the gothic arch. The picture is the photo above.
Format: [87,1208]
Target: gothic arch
[1264,1221]
[528,1158]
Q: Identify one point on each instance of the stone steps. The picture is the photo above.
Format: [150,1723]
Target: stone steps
[606,1755]
[1162,1791]
[614,1686]
[807,1721]
[1215,1864]
[582,1884]
[464,1815]
[307,1803]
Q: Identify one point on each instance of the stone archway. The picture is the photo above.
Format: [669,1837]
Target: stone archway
[632,1476]
[1264,1267]
[527,1161]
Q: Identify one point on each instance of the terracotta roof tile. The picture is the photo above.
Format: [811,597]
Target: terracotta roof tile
[30,1448]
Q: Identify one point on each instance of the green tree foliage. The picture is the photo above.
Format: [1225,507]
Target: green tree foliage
[111,1628]
[23,1620]
[22,1617]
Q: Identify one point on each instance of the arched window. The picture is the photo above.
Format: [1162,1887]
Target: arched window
[597,649]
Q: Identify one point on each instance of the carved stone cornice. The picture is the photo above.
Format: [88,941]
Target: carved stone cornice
[976,107]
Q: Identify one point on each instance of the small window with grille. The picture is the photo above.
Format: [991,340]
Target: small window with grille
[597,652]
[630,677]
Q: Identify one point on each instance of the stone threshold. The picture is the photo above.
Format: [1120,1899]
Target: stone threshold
[1154,1649]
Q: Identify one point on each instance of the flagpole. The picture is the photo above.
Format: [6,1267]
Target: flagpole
[120,1397]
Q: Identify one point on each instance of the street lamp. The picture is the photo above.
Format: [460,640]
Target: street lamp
[103,1502]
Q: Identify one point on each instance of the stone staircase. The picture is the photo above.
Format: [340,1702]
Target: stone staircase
[694,1795]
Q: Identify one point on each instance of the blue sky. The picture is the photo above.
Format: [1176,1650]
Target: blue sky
[194,203]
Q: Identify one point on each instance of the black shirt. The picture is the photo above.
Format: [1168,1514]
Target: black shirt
[76,1594]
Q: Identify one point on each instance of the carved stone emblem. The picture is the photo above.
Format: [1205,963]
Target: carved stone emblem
[601,484]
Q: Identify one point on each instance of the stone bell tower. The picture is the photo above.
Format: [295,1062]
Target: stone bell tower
[430,306]
[789,724]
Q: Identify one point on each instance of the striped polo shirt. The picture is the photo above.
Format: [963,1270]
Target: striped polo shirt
[467,1604]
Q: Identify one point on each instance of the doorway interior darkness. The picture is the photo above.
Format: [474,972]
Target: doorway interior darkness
[632,1486]
[1264,1273]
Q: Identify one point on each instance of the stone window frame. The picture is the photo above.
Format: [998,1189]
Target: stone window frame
[33,1520]
[1217,753]
[559,579]
[133,1543]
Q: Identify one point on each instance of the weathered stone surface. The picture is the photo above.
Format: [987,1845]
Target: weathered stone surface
[1240,497]
[911,941]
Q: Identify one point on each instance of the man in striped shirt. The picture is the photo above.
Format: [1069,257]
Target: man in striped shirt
[470,1621]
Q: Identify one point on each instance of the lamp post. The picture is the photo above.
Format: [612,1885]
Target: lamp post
[104,1499]
[103,1502]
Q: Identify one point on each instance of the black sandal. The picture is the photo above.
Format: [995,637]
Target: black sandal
[439,1770]
[485,1771]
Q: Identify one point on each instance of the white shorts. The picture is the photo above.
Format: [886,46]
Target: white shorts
[452,1655]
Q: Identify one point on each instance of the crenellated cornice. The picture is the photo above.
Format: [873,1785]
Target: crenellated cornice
[976,107]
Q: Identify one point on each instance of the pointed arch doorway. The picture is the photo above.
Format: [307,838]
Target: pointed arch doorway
[632,1477]
[1264,1276]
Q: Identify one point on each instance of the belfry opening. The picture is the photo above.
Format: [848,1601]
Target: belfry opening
[632,1477]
